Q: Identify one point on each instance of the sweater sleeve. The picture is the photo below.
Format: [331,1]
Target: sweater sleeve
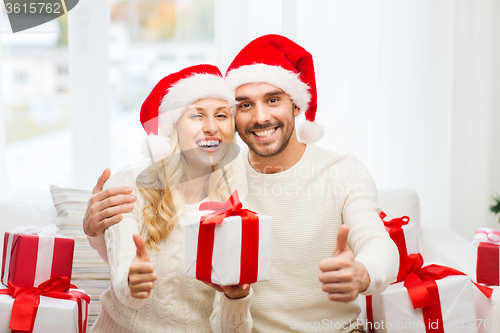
[232,315]
[98,244]
[121,248]
[368,238]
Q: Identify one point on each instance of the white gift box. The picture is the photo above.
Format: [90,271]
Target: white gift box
[53,315]
[393,309]
[226,260]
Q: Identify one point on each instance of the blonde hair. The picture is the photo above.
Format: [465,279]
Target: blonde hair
[163,190]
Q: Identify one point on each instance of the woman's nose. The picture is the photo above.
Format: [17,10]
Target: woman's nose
[209,126]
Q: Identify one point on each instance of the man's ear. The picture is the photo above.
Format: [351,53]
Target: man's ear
[296,110]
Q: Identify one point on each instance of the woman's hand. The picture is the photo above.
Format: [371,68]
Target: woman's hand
[238,291]
[141,275]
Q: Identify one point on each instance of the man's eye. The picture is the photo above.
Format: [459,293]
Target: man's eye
[273,100]
[243,105]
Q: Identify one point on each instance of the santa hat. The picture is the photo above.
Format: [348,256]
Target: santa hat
[277,60]
[171,96]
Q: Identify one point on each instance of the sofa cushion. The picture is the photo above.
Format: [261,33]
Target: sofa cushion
[90,272]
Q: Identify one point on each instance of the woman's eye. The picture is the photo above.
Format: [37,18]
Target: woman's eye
[195,116]
[221,116]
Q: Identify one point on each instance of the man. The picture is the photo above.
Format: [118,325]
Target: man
[325,217]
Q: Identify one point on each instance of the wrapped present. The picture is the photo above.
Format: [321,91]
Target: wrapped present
[43,309]
[228,245]
[32,255]
[488,256]
[404,234]
[433,298]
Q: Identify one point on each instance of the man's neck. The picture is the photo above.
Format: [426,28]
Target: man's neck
[280,162]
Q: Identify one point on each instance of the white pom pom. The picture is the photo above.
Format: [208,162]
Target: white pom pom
[156,147]
[309,132]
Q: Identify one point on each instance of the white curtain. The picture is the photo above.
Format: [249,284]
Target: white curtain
[409,87]
[3,180]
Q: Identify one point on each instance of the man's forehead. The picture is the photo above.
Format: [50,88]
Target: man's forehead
[255,90]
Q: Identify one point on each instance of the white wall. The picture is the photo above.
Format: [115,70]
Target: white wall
[475,151]
[3,180]
[238,22]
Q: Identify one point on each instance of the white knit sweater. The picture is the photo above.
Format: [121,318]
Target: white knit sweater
[177,303]
[308,204]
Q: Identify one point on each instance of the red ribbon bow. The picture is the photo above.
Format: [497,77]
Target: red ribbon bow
[394,224]
[394,228]
[233,206]
[249,241]
[27,301]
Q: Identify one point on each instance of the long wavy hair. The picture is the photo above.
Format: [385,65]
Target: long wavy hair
[165,187]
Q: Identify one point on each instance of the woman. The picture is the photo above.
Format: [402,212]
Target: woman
[189,117]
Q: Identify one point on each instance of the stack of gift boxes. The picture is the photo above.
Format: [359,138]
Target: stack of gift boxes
[37,294]
[430,298]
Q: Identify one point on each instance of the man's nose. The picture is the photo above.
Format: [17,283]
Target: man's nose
[261,115]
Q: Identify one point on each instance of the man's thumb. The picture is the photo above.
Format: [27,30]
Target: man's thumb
[142,254]
[341,240]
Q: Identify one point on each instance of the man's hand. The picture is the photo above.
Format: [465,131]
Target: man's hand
[232,291]
[105,208]
[343,278]
[141,275]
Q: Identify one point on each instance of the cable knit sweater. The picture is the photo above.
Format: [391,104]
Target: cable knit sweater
[308,203]
[177,303]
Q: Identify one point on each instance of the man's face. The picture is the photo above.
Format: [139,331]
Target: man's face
[265,118]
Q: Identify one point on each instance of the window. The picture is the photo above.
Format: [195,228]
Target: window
[35,101]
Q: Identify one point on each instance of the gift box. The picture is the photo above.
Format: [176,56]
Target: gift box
[488,250]
[405,235]
[57,311]
[32,255]
[228,245]
[433,298]
[487,265]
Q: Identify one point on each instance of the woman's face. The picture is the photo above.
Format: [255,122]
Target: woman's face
[202,129]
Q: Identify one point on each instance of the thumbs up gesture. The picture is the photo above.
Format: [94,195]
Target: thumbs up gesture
[141,275]
[343,277]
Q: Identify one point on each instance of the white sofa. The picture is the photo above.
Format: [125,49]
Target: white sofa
[436,243]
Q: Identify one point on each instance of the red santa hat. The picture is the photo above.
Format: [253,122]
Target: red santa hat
[172,95]
[277,60]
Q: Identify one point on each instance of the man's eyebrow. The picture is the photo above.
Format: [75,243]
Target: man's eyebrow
[269,94]
[275,93]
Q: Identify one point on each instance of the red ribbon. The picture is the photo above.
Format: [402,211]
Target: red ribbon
[422,289]
[394,228]
[27,300]
[249,241]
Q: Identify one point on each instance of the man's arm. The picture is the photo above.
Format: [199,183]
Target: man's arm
[372,254]
[105,208]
